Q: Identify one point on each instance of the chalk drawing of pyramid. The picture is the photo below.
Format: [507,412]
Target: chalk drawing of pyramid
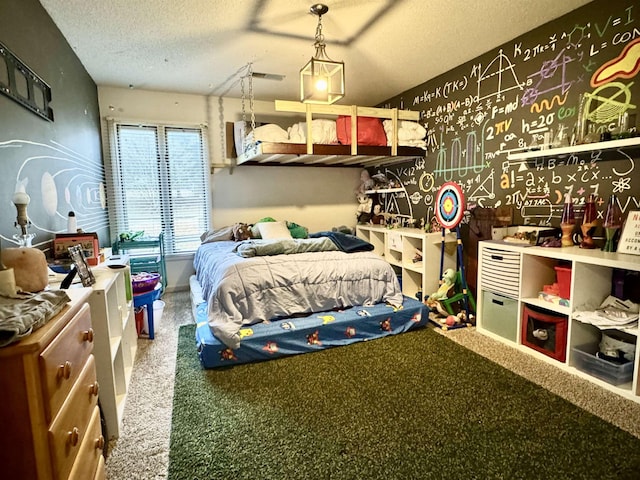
[499,77]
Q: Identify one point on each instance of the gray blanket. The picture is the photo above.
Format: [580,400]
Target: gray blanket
[21,316]
[243,291]
[258,248]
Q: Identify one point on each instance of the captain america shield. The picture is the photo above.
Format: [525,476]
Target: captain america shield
[449,205]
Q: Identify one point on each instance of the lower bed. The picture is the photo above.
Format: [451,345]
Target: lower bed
[317,331]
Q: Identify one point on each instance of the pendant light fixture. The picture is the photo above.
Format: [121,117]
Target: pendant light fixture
[321,79]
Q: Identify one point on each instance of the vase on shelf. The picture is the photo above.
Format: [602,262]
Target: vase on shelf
[568,222]
[589,223]
[612,223]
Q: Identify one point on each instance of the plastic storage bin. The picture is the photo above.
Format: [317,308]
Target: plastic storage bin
[585,359]
[500,315]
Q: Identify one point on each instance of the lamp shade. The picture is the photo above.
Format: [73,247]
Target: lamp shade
[322,81]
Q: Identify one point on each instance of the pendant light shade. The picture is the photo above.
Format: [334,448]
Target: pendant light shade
[321,79]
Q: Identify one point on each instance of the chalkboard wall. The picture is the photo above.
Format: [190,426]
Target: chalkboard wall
[524,94]
[57,163]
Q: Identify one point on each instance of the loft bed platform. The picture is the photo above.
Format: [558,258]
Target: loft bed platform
[272,153]
[335,154]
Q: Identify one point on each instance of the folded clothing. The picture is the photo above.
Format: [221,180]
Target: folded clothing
[323,131]
[21,316]
[410,134]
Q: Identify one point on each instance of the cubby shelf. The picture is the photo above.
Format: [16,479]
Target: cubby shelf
[399,246]
[501,305]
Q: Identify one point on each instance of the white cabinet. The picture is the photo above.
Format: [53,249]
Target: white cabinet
[510,278]
[400,247]
[111,303]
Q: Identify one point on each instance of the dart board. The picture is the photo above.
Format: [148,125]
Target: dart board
[449,205]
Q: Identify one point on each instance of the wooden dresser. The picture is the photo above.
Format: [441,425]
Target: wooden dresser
[49,418]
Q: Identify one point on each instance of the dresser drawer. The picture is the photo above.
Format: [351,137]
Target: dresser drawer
[69,427]
[101,472]
[86,463]
[500,271]
[63,359]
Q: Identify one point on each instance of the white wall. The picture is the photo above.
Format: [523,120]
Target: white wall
[316,197]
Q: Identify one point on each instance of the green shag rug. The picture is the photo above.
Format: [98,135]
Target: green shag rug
[411,406]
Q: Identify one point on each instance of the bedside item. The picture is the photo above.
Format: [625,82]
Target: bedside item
[7,280]
[146,254]
[117,261]
[84,272]
[21,200]
[29,266]
[50,399]
[144,282]
[146,301]
[87,241]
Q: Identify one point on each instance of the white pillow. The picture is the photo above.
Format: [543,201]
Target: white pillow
[274,230]
[270,133]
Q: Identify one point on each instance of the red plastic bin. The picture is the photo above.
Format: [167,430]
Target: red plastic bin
[563,279]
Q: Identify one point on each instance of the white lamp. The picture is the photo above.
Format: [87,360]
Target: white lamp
[321,79]
[21,200]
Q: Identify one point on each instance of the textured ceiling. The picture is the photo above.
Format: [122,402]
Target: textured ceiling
[202,46]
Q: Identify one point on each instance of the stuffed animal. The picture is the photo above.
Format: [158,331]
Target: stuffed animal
[448,280]
[377,217]
[447,283]
[363,212]
[366,182]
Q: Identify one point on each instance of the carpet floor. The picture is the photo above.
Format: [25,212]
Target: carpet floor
[142,451]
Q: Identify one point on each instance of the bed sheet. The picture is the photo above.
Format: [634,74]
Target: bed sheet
[244,291]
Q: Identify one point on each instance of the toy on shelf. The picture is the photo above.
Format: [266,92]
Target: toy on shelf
[365,206]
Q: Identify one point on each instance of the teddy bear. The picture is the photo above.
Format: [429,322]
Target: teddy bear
[363,212]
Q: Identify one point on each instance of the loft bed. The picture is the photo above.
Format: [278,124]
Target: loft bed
[396,123]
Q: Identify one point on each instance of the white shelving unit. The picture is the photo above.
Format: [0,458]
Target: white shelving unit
[509,279]
[398,247]
[629,145]
[116,340]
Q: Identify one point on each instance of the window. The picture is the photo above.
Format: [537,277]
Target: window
[159,183]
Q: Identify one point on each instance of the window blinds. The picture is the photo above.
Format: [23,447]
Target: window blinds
[159,182]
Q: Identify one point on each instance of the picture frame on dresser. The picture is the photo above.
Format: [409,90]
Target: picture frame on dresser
[84,272]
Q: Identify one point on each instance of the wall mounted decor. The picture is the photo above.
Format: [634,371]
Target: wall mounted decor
[20,83]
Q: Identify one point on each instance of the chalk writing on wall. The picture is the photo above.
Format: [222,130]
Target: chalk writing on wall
[571,80]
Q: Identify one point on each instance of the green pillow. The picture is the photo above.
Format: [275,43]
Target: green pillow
[297,231]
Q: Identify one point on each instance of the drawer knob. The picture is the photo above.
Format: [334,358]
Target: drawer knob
[74,436]
[100,443]
[87,335]
[64,371]
[94,388]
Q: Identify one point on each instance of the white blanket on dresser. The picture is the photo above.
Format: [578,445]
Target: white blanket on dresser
[243,291]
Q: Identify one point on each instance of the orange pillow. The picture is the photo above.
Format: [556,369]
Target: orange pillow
[370,131]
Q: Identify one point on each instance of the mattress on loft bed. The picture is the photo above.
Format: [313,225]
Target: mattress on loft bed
[317,331]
